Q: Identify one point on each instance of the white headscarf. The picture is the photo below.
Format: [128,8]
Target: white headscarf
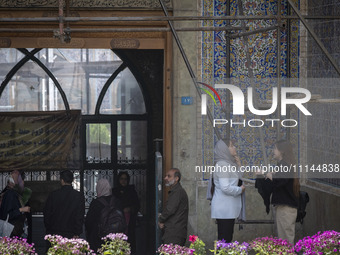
[103,188]
[221,152]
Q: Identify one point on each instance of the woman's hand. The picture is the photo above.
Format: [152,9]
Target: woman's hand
[269,176]
[25,209]
[238,161]
[160,225]
[243,188]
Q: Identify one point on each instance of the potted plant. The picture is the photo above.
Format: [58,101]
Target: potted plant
[327,242]
[235,248]
[197,245]
[271,246]
[174,249]
[15,246]
[115,244]
[66,246]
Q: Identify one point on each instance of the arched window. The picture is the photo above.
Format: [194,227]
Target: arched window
[96,81]
[59,79]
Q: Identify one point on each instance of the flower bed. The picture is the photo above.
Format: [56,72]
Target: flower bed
[322,243]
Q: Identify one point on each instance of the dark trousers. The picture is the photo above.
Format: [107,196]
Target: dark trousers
[132,233]
[18,223]
[225,229]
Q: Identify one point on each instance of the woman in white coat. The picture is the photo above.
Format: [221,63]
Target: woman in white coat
[226,202]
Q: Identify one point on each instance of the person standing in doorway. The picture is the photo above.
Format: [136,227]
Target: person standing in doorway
[128,197]
[65,209]
[174,218]
[226,202]
[93,217]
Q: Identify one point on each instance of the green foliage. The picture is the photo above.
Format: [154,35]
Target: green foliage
[197,245]
[100,133]
[115,244]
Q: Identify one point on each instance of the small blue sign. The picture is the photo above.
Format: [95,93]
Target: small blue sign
[187,100]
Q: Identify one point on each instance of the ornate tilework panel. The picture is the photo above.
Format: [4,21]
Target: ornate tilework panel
[263,49]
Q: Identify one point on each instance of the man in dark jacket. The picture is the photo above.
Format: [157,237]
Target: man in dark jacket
[174,218]
[64,209]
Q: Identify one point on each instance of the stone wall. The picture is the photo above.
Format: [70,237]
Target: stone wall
[185,128]
[322,212]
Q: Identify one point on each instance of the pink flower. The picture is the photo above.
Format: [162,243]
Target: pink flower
[193,238]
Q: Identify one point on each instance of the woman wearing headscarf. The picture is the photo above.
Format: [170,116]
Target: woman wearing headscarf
[13,203]
[226,202]
[103,189]
[127,194]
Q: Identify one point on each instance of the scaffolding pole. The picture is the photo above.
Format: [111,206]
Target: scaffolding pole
[256,31]
[187,63]
[122,29]
[162,18]
[278,68]
[227,108]
[288,71]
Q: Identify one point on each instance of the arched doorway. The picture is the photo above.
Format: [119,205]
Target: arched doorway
[120,95]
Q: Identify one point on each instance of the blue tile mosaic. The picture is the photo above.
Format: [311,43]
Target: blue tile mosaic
[263,55]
